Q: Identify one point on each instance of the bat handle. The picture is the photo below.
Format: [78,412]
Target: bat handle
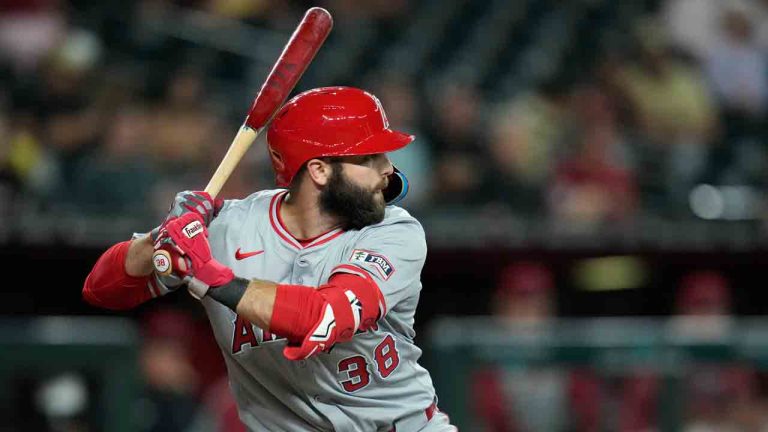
[243,140]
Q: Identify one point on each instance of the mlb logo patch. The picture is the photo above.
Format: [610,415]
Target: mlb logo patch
[377,261]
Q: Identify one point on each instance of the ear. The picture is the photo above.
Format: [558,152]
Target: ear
[319,171]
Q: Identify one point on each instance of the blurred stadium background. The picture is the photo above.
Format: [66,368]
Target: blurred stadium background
[591,174]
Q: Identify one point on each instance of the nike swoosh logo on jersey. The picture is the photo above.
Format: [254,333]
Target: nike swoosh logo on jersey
[243,255]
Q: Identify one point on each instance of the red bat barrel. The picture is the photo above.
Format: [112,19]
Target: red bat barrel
[298,53]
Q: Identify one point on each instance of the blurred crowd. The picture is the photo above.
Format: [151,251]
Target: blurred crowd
[724,395]
[103,114]
[180,383]
[649,121]
[106,112]
[186,387]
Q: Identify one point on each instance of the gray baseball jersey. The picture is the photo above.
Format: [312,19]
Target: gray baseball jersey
[370,383]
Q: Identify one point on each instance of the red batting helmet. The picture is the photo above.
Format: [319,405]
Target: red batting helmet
[333,121]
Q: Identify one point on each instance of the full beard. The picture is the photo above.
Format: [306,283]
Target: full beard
[356,207]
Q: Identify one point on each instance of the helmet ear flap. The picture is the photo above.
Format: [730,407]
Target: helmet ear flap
[397,188]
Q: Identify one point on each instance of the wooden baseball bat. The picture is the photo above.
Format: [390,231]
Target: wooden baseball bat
[290,66]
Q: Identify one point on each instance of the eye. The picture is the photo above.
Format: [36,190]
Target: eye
[367,159]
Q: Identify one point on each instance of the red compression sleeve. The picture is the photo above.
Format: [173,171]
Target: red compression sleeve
[298,307]
[110,287]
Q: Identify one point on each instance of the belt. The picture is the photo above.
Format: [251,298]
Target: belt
[416,421]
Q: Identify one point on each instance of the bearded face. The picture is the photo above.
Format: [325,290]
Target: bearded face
[355,206]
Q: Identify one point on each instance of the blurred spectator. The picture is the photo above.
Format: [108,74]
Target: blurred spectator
[29,30]
[187,388]
[669,98]
[703,306]
[187,141]
[692,24]
[525,294]
[64,108]
[171,384]
[722,396]
[537,142]
[525,398]
[525,139]
[459,133]
[738,70]
[29,166]
[117,178]
[673,113]
[737,66]
[533,397]
[593,185]
[184,124]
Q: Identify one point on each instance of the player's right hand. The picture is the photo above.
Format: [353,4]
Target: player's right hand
[184,202]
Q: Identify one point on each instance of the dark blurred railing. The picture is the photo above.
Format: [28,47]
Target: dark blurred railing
[444,229]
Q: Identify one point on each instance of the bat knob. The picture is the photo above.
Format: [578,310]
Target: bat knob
[161,261]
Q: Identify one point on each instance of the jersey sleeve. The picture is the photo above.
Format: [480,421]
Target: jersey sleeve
[394,255]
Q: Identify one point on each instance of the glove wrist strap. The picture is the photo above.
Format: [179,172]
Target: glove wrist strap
[228,294]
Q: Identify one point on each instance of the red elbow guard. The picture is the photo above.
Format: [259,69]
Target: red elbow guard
[370,300]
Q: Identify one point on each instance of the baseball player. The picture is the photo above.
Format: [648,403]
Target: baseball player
[311,290]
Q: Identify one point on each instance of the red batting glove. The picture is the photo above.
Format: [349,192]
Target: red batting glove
[182,249]
[321,338]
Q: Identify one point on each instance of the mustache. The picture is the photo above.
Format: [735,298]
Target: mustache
[356,206]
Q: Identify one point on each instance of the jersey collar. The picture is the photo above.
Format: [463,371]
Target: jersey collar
[287,237]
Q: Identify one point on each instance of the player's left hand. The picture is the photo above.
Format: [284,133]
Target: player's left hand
[182,249]
[321,338]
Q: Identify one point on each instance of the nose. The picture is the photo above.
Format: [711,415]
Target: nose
[388,168]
